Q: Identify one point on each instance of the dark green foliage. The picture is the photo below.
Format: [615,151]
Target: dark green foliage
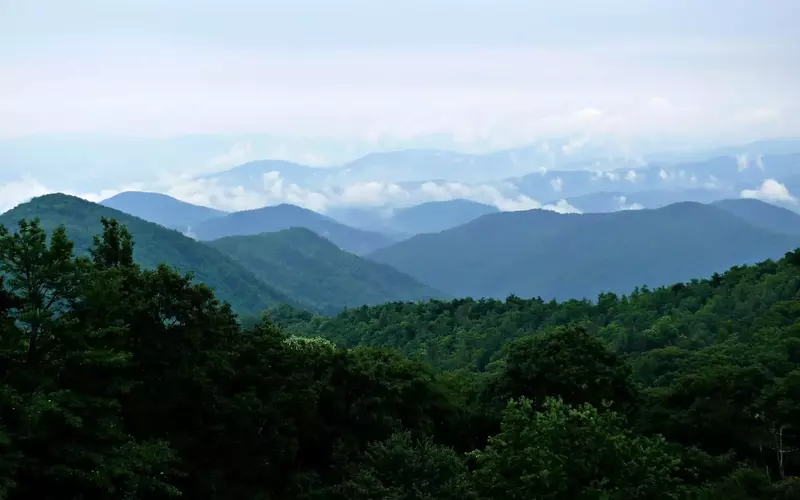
[324,277]
[571,453]
[119,381]
[568,363]
[545,254]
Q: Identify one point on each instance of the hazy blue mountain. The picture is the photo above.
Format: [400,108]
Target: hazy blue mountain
[542,253]
[762,214]
[615,201]
[782,146]
[284,216]
[401,223]
[161,209]
[154,245]
[437,216]
[252,174]
[324,277]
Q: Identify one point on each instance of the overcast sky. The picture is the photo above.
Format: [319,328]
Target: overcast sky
[508,70]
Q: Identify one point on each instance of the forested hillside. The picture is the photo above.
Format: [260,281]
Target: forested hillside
[155,245]
[122,382]
[328,279]
[538,253]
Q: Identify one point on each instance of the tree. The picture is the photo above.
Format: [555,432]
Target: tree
[568,363]
[407,468]
[40,277]
[571,453]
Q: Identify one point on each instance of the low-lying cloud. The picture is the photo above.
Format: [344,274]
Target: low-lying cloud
[770,190]
[274,189]
[622,204]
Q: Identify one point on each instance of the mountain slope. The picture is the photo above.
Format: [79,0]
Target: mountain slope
[280,217]
[161,209]
[604,201]
[154,245]
[402,223]
[437,216]
[307,266]
[763,214]
[541,253]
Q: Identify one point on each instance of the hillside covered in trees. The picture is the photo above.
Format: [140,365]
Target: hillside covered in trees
[326,277]
[539,253]
[125,382]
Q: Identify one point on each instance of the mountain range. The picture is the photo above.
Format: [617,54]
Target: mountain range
[279,217]
[280,259]
[543,253]
[292,267]
[161,209]
[428,217]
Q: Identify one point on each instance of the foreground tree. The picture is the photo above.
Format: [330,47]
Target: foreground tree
[572,453]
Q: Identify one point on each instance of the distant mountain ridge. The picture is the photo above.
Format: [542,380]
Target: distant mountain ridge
[284,216]
[427,217]
[541,253]
[161,209]
[307,265]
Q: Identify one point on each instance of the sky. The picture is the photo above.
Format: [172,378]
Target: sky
[461,74]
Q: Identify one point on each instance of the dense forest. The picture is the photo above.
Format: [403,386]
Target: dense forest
[120,381]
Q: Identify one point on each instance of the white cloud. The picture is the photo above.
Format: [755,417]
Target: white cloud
[599,175]
[240,152]
[21,191]
[377,193]
[770,190]
[622,202]
[631,176]
[212,193]
[557,184]
[16,192]
[663,174]
[562,207]
[760,162]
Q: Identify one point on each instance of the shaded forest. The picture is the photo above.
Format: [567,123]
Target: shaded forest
[125,382]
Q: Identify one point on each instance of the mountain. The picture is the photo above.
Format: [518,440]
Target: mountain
[438,215]
[401,223]
[723,173]
[252,174]
[762,214]
[604,201]
[161,209]
[307,266]
[543,253]
[279,217]
[154,245]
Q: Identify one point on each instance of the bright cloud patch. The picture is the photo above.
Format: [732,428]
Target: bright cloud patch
[623,204]
[16,192]
[770,190]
